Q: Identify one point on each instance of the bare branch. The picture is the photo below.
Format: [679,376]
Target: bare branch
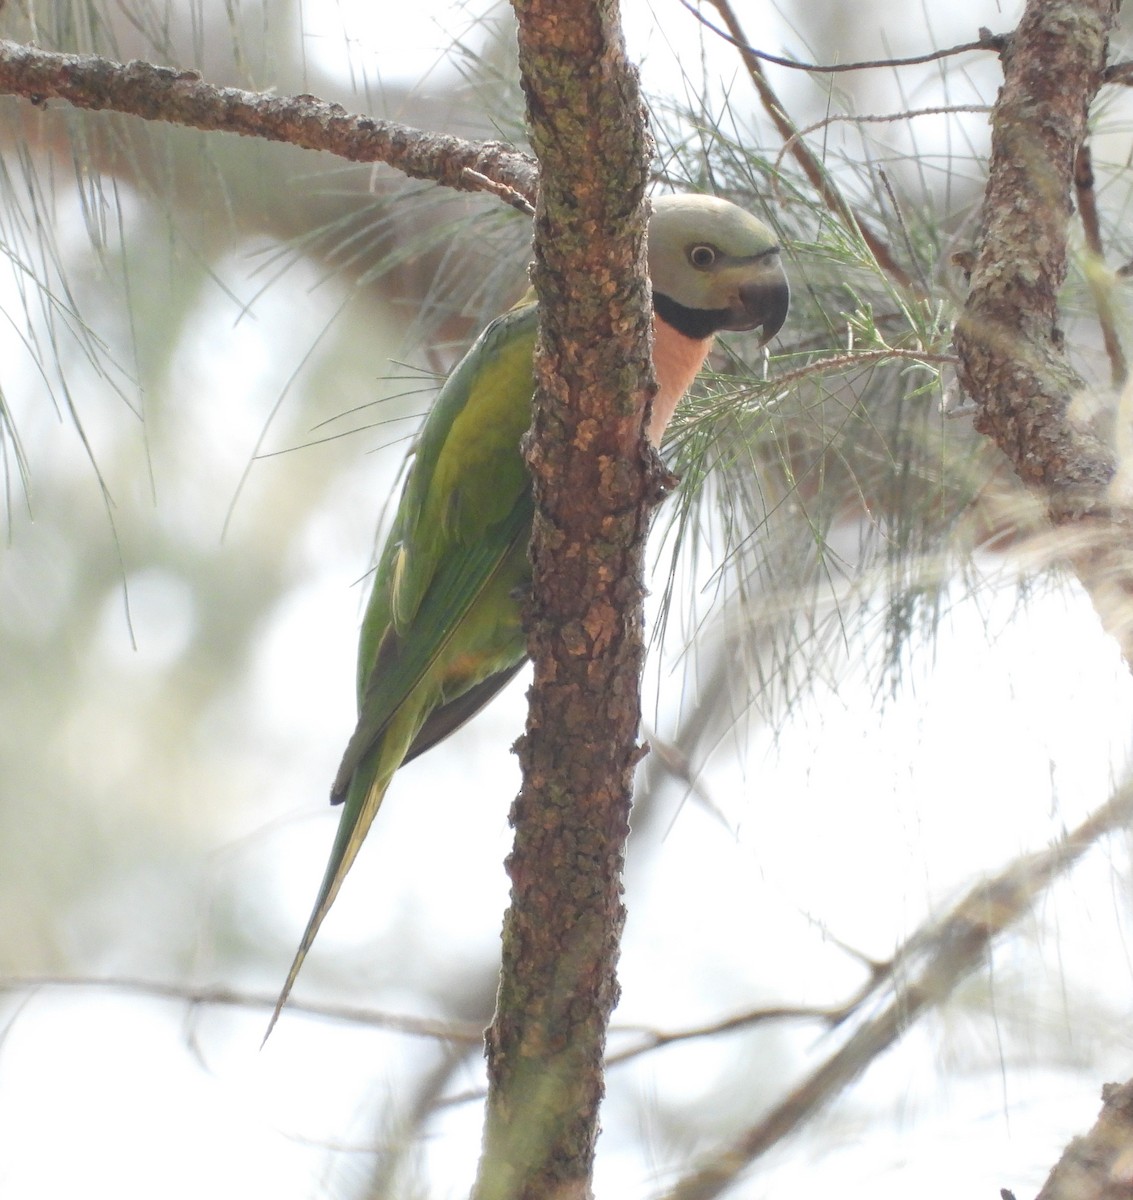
[874,119]
[812,168]
[1013,362]
[921,977]
[863,358]
[1121,73]
[463,1032]
[654,1039]
[155,93]
[987,41]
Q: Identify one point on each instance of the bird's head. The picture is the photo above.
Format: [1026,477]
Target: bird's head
[714,267]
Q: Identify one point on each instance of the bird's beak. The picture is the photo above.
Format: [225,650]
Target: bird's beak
[763,302]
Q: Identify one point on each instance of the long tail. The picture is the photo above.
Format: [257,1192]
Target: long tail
[367,790]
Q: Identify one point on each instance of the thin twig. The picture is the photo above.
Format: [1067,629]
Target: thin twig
[875,119]
[464,1032]
[654,1039]
[181,97]
[802,154]
[507,194]
[677,763]
[987,41]
[862,358]
[1096,274]
[457,1032]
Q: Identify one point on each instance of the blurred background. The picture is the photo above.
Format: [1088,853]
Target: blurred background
[868,688]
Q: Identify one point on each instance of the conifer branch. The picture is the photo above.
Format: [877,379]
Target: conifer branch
[156,93]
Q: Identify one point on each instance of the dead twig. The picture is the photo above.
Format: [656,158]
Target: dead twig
[462,1032]
[987,41]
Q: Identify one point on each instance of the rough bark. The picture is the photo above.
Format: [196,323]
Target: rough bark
[595,484]
[1012,360]
[156,93]
[1098,1166]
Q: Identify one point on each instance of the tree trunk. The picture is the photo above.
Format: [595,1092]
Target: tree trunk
[596,481]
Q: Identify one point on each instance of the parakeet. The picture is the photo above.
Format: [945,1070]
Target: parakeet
[442,632]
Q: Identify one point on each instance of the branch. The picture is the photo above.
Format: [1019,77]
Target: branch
[854,359]
[935,110]
[1119,73]
[462,1032]
[654,1039]
[459,1033]
[987,41]
[1097,1166]
[594,486]
[1013,362]
[921,977]
[154,93]
[812,168]
[1101,287]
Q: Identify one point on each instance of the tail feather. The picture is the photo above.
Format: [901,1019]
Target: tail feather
[363,799]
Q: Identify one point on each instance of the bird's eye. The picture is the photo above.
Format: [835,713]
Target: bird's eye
[702,256]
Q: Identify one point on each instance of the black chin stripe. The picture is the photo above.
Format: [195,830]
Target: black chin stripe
[697,323]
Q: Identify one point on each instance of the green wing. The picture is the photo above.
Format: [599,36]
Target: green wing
[456,639]
[443,620]
[467,473]
[466,499]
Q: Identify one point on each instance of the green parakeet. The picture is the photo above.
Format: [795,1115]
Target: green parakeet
[442,632]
